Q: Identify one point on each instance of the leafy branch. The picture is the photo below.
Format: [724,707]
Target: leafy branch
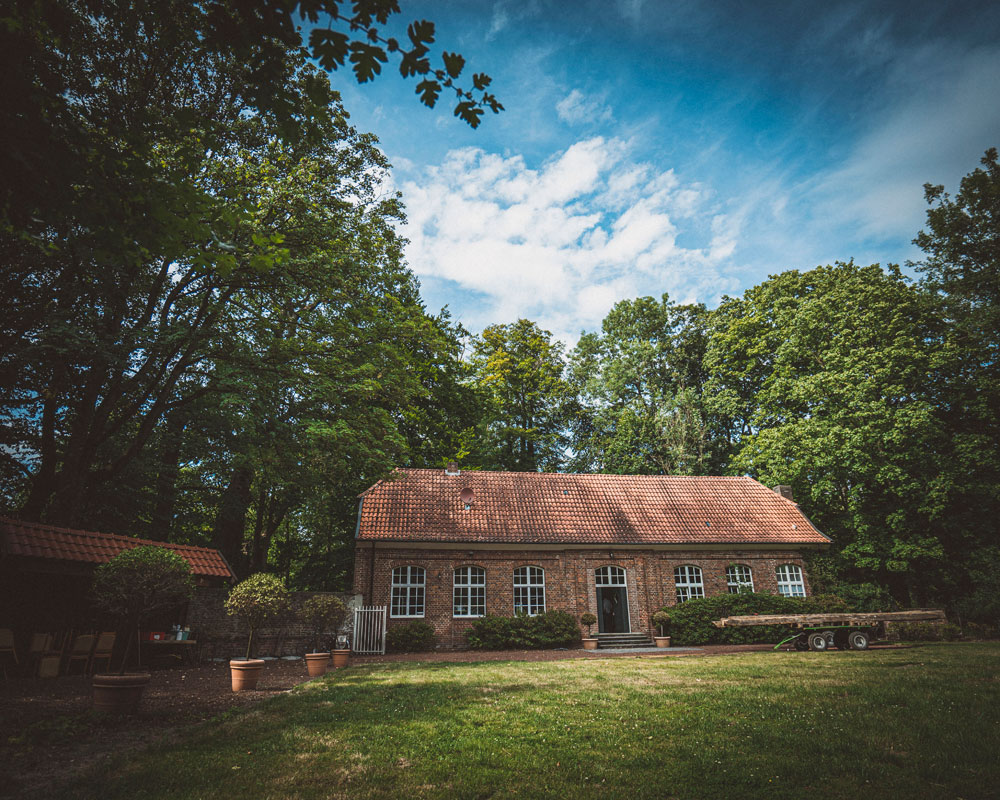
[368,52]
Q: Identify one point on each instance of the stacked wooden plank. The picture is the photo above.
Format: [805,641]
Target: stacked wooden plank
[852,619]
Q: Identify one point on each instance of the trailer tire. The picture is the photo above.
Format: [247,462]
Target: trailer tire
[858,640]
[801,644]
[818,642]
[842,639]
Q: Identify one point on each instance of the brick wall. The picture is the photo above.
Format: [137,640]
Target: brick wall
[569,579]
[223,636]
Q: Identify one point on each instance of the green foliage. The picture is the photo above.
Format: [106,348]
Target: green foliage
[589,620]
[638,392]
[661,619]
[256,600]
[518,370]
[140,581]
[323,614]
[410,637]
[691,622]
[542,631]
[926,632]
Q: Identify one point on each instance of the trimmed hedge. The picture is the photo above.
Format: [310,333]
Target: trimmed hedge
[413,637]
[691,622]
[551,629]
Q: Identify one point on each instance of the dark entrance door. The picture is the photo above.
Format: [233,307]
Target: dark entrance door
[612,604]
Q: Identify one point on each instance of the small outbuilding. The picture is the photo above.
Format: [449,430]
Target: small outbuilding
[46,572]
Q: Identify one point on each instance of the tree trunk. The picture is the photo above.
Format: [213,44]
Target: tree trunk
[230,522]
[166,478]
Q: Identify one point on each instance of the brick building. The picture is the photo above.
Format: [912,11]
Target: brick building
[447,546]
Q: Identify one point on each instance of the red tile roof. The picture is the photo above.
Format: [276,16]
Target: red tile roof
[35,540]
[551,508]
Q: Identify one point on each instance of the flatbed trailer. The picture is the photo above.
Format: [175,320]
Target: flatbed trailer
[844,631]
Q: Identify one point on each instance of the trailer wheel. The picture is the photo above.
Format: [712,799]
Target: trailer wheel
[842,639]
[801,644]
[858,640]
[818,642]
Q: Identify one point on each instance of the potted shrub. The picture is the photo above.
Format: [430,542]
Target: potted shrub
[130,587]
[661,619]
[322,613]
[589,620]
[255,601]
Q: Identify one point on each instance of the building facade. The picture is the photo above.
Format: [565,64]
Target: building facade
[446,546]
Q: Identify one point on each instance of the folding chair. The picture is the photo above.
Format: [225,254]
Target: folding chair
[41,643]
[51,658]
[83,646]
[7,646]
[103,649]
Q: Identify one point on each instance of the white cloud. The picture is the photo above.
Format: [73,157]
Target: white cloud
[563,242]
[577,107]
[936,118]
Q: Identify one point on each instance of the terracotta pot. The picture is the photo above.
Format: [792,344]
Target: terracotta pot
[662,641]
[317,663]
[245,673]
[119,694]
[340,658]
[590,644]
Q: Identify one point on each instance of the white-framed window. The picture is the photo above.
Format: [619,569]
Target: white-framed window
[687,580]
[470,592]
[609,576]
[739,579]
[529,590]
[408,592]
[790,583]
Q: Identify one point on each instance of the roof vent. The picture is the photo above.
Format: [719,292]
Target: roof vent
[467,497]
[785,491]
[452,469]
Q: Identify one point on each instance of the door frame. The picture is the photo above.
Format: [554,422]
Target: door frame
[600,611]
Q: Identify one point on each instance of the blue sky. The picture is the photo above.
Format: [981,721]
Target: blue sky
[691,147]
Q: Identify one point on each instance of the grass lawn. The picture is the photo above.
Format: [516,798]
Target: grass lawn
[909,723]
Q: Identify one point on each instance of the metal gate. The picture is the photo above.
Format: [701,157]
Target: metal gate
[369,630]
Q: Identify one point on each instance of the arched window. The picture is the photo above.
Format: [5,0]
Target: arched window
[790,583]
[529,590]
[470,592]
[609,576]
[687,580]
[408,592]
[739,579]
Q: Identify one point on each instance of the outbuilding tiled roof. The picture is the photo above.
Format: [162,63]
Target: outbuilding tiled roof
[422,505]
[35,540]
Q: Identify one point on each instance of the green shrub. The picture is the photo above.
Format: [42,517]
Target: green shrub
[589,620]
[691,622]
[411,637]
[256,600]
[926,631]
[323,613]
[551,629]
[138,582]
[661,619]
[870,597]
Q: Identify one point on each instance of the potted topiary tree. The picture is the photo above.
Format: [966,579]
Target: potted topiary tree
[661,619]
[322,613]
[589,620]
[255,601]
[130,587]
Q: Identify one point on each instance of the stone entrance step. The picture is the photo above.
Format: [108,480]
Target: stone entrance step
[623,640]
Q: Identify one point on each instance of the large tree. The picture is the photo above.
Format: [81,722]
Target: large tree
[518,371]
[826,375]
[638,392]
